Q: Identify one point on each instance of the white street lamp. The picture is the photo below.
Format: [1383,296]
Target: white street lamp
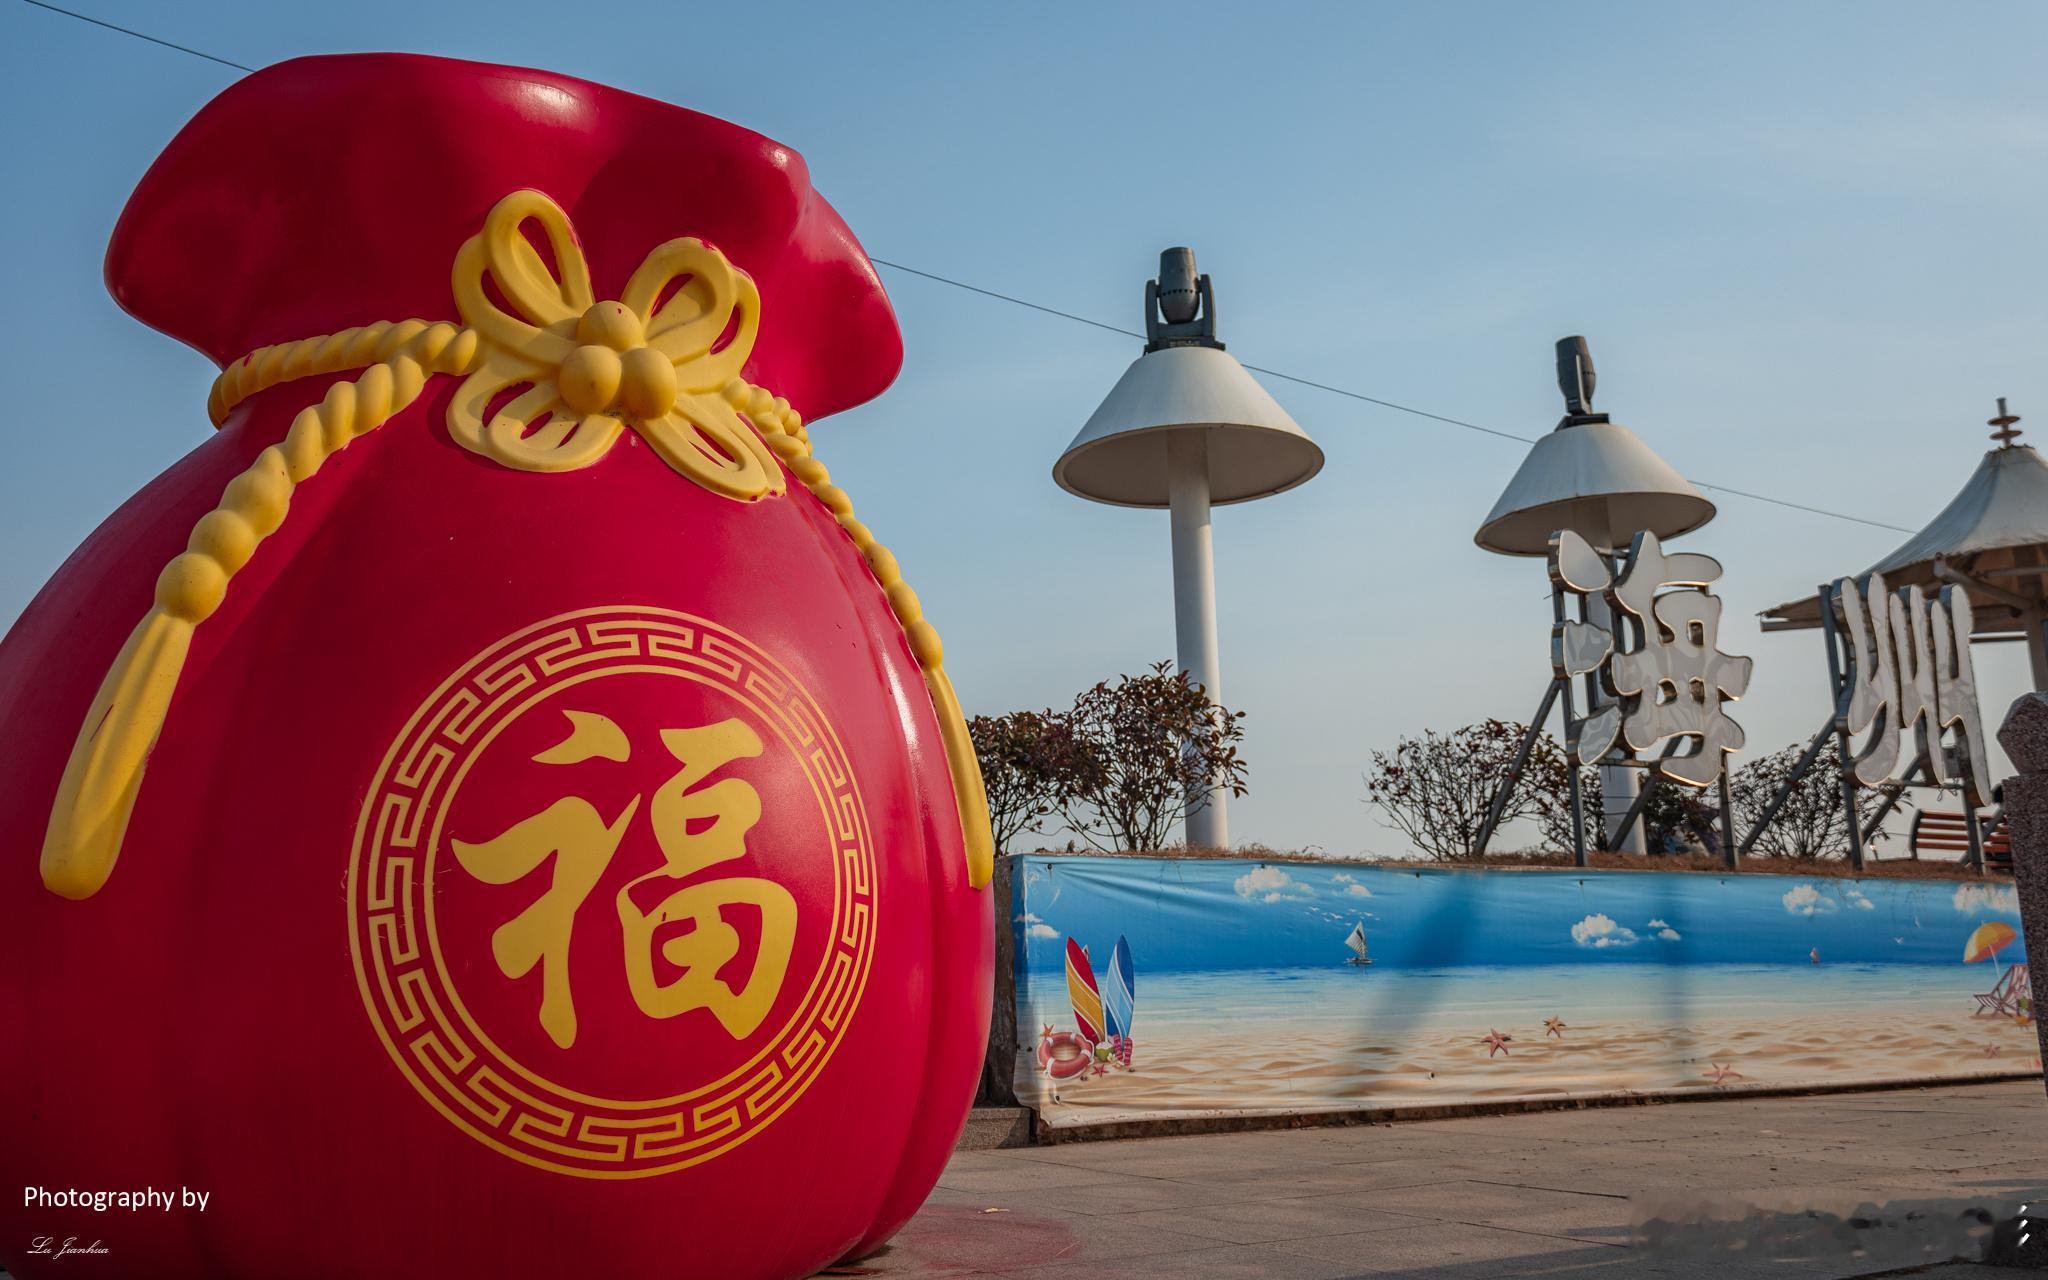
[1599,480]
[1187,428]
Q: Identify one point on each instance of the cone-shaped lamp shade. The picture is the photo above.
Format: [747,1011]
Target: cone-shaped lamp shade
[1255,449]
[1598,480]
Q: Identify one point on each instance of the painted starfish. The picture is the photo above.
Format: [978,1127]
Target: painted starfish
[1721,1074]
[1554,1027]
[1495,1042]
[1991,1050]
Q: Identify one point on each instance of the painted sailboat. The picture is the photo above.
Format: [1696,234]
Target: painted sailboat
[1356,941]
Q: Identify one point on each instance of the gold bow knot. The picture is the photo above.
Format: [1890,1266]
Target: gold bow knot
[664,357]
[660,357]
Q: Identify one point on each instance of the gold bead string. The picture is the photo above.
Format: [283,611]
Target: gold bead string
[355,348]
[782,427]
[103,776]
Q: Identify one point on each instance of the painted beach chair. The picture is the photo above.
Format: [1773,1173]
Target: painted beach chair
[2012,994]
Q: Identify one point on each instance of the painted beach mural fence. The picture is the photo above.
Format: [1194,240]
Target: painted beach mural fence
[1164,987]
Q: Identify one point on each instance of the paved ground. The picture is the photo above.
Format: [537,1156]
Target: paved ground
[1840,1185]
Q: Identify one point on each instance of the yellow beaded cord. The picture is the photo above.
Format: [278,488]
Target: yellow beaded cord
[104,774]
[782,427]
[265,367]
[96,797]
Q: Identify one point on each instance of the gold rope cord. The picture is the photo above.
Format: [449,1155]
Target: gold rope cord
[104,774]
[669,369]
[783,429]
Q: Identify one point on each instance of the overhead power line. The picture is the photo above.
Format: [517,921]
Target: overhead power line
[1013,300]
[1373,400]
[197,53]
[1004,297]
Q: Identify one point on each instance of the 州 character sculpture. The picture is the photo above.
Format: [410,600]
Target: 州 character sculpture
[491,808]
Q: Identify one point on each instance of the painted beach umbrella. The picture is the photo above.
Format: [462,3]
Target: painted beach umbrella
[1986,941]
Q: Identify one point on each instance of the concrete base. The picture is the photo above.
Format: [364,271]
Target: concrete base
[993,1128]
[1183,1123]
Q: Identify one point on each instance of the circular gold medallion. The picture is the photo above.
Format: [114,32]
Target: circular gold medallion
[612,893]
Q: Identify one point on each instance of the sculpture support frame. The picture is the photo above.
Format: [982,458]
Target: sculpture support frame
[1869,691]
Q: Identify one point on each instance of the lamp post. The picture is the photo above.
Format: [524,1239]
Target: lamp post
[1598,479]
[1186,428]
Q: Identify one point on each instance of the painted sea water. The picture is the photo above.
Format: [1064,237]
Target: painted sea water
[1561,985]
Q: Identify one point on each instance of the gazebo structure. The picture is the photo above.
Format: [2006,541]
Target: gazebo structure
[1596,478]
[1991,540]
[1188,428]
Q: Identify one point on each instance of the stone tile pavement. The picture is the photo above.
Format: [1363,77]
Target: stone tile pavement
[1838,1185]
[1858,1184]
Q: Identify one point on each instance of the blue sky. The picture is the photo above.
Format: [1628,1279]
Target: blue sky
[1803,240]
[1199,915]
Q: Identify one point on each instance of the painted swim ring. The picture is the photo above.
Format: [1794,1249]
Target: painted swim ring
[1064,1054]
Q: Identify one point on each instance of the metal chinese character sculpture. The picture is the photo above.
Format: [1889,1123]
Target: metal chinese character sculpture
[495,780]
[1898,640]
[1904,680]
[1908,676]
[1670,682]
[1665,680]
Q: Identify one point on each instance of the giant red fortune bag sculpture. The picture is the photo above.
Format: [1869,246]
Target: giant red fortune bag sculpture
[547,840]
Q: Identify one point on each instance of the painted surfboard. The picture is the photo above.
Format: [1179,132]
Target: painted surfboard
[1118,991]
[1081,990]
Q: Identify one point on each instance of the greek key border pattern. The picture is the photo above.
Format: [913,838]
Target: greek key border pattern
[492,1100]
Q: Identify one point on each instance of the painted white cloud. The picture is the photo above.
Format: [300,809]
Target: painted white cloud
[1271,884]
[1659,929]
[1973,898]
[1027,918]
[1805,900]
[1855,898]
[1601,931]
[1357,891]
[1041,931]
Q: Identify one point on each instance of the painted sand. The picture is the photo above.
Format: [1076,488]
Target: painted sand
[1315,1040]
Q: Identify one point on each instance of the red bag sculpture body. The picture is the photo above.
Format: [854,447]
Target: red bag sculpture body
[514,819]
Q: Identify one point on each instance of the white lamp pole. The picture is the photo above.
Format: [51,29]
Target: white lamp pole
[1194,606]
[1186,428]
[1597,479]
